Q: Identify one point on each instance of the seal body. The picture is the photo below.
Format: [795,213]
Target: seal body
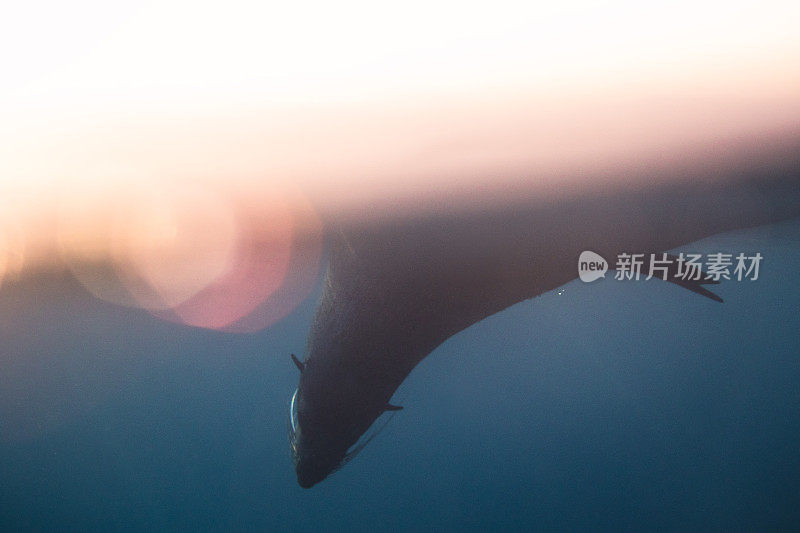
[395,290]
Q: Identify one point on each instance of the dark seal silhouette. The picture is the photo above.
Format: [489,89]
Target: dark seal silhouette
[394,290]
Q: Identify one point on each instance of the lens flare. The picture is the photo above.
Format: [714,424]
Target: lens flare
[144,244]
[12,243]
[172,243]
[301,273]
[3,256]
[273,267]
[232,261]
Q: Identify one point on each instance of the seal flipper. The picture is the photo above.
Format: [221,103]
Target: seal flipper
[694,285]
[390,407]
[674,274]
[300,365]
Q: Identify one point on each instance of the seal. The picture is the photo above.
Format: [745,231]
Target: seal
[395,290]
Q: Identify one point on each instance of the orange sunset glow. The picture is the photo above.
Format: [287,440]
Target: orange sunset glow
[182,158]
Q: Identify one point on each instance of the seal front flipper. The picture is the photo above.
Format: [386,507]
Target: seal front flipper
[299,364]
[390,407]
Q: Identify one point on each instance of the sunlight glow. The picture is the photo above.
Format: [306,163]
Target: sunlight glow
[169,153]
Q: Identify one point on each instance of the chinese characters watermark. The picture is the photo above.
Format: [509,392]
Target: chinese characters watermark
[684,266]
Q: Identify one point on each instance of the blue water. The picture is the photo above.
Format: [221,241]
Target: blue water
[613,405]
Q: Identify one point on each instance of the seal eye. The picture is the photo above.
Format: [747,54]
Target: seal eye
[293,412]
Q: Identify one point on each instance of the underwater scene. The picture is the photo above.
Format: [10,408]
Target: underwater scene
[617,404]
[433,266]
